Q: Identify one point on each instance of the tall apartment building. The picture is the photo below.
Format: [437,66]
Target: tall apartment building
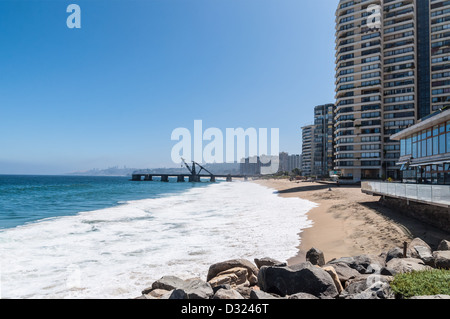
[317,149]
[389,73]
[307,149]
[289,162]
[323,154]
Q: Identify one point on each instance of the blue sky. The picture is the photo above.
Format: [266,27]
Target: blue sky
[112,92]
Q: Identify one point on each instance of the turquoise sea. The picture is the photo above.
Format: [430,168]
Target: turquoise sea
[107,237]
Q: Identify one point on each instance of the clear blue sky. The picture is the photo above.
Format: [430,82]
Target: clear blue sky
[112,92]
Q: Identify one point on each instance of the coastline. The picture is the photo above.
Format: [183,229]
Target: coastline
[348,222]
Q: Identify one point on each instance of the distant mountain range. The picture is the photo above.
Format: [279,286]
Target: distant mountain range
[219,169]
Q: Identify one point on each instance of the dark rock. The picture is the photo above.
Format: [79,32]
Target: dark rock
[244,291]
[258,294]
[191,289]
[166,283]
[178,294]
[227,294]
[442,259]
[198,289]
[363,264]
[302,295]
[387,272]
[379,290]
[315,257]
[394,253]
[444,245]
[364,282]
[217,288]
[357,285]
[294,279]
[261,262]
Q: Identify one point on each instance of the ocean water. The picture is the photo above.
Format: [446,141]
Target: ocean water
[107,237]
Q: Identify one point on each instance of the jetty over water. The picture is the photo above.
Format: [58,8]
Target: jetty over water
[182,177]
[194,175]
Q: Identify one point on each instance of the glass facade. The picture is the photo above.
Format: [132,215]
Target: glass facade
[429,142]
[430,149]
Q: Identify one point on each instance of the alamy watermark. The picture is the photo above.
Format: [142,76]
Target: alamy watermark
[74,19]
[373,21]
[214,146]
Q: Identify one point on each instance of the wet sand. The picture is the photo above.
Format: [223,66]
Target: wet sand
[348,222]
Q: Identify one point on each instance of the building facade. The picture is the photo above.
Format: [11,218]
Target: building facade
[391,62]
[307,149]
[318,143]
[323,150]
[425,150]
[289,162]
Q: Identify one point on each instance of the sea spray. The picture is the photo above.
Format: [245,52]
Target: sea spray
[118,251]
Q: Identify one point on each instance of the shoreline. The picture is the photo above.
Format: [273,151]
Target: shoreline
[348,222]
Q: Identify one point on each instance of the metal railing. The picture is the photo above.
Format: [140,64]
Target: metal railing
[432,194]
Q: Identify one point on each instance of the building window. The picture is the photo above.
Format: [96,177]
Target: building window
[442,144]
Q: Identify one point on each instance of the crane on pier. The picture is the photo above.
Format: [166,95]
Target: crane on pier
[195,176]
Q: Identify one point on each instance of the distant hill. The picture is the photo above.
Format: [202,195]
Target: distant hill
[112,171]
[219,169]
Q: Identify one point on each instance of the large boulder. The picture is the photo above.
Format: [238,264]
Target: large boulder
[364,264]
[442,259]
[244,291]
[344,272]
[304,277]
[227,294]
[178,294]
[421,250]
[233,277]
[261,262]
[417,242]
[425,254]
[395,252]
[193,289]
[364,282]
[444,245]
[216,269]
[404,265]
[315,257]
[166,283]
[378,290]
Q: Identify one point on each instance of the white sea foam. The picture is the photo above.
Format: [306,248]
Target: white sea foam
[117,252]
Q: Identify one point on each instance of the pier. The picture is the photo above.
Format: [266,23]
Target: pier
[194,175]
[143,177]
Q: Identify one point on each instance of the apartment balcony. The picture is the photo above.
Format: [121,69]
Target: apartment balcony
[438,195]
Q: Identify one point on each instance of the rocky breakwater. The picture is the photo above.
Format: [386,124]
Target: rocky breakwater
[357,277]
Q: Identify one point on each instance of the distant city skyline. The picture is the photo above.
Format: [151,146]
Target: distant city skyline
[110,93]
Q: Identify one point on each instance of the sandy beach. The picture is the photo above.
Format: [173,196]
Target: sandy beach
[348,222]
